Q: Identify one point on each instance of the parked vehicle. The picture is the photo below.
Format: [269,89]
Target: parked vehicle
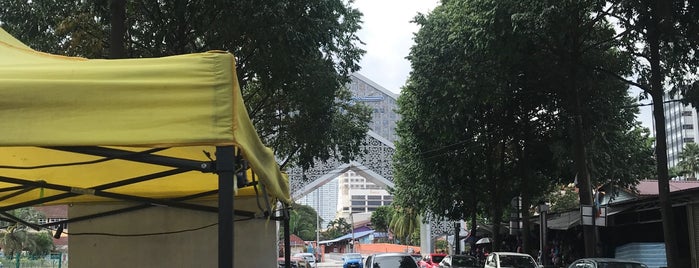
[432,260]
[352,260]
[459,261]
[309,258]
[295,262]
[390,260]
[606,263]
[417,257]
[510,260]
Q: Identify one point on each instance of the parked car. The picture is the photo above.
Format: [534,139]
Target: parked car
[390,260]
[510,260]
[431,260]
[295,262]
[459,261]
[352,260]
[606,263]
[417,257]
[309,258]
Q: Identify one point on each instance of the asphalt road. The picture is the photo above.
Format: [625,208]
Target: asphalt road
[332,260]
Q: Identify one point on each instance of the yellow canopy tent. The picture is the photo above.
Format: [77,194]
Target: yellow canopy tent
[156,131]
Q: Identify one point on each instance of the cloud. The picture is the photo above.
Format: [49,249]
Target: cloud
[388,32]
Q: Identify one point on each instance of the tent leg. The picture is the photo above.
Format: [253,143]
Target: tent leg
[287,237]
[225,167]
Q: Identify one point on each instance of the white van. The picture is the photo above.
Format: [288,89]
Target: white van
[510,260]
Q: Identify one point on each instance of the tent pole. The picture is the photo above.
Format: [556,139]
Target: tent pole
[225,167]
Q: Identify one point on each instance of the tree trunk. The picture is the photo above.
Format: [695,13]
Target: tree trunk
[118,31]
[657,92]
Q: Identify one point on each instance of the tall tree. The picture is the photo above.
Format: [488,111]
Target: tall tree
[502,89]
[661,35]
[293,57]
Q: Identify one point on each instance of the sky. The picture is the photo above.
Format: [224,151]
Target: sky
[387,32]
[388,35]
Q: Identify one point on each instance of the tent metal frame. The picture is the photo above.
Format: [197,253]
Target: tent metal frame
[224,166]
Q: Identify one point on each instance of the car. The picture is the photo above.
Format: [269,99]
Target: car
[510,260]
[431,260]
[390,260]
[459,261]
[352,260]
[294,262]
[606,263]
[417,257]
[309,258]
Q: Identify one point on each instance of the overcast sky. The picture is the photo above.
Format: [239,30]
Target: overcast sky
[388,34]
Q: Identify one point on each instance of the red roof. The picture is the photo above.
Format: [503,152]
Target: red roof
[650,187]
[54,211]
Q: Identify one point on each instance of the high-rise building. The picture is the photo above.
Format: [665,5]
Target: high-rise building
[324,200]
[681,127]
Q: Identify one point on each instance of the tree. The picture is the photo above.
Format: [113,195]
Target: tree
[302,222]
[381,218]
[18,237]
[689,160]
[292,57]
[336,228]
[404,222]
[509,92]
[661,36]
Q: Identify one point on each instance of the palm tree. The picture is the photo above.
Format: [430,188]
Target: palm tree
[404,221]
[689,160]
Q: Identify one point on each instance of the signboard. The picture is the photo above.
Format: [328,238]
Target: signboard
[593,216]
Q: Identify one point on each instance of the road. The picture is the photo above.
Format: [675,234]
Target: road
[332,260]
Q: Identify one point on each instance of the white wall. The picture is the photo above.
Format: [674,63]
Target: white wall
[254,240]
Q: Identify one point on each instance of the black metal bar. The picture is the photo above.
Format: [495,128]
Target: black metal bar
[225,167]
[13,188]
[72,191]
[125,210]
[20,192]
[287,237]
[16,219]
[138,157]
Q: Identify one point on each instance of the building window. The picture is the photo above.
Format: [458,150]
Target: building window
[374,197]
[688,139]
[687,126]
[374,203]
[358,203]
[687,113]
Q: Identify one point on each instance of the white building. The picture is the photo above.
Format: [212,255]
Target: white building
[681,127]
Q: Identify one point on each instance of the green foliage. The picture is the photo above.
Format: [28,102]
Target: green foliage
[17,237]
[302,222]
[293,57]
[336,228]
[381,218]
[404,223]
[492,106]
[563,199]
[441,246]
[689,161]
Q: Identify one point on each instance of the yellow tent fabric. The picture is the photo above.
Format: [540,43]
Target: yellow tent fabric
[186,104]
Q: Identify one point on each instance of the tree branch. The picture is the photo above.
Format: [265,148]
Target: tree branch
[622,79]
